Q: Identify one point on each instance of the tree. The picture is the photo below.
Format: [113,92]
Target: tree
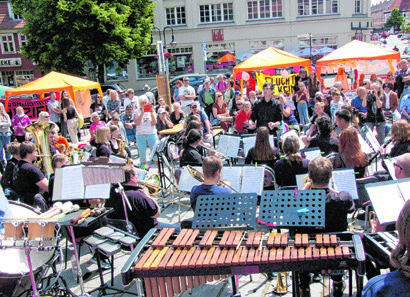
[64,34]
[395,20]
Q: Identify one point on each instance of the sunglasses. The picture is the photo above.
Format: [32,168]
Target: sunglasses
[193,107]
[185,80]
[239,104]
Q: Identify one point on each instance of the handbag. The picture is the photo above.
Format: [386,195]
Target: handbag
[374,224]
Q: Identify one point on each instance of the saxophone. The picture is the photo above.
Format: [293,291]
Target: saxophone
[121,144]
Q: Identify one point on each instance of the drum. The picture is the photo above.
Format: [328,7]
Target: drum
[14,270]
[269,182]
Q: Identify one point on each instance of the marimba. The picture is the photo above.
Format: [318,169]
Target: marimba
[170,262]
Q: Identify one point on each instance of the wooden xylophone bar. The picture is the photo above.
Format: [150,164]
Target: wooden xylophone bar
[194,255]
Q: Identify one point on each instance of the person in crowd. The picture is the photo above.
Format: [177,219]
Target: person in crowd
[293,164]
[267,112]
[53,138]
[207,97]
[262,152]
[400,135]
[70,117]
[163,122]
[114,104]
[405,108]
[18,123]
[221,86]
[350,153]
[335,104]
[211,168]
[324,140]
[149,94]
[95,124]
[206,125]
[229,92]
[242,119]
[252,97]
[107,98]
[66,102]
[58,161]
[326,101]
[402,79]
[287,112]
[313,86]
[175,95]
[312,132]
[339,87]
[357,103]
[115,121]
[145,210]
[390,77]
[28,179]
[118,145]
[5,135]
[7,177]
[220,108]
[375,116]
[402,166]
[177,116]
[192,124]
[186,95]
[234,104]
[366,84]
[302,99]
[54,109]
[161,104]
[302,77]
[191,155]
[44,117]
[127,120]
[212,82]
[129,98]
[145,120]
[103,142]
[99,107]
[389,99]
[337,207]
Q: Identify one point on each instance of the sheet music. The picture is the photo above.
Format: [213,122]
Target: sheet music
[68,183]
[300,180]
[229,145]
[186,182]
[234,175]
[272,140]
[101,191]
[252,179]
[141,174]
[364,145]
[405,189]
[372,139]
[345,180]
[117,159]
[248,143]
[390,167]
[311,154]
[294,133]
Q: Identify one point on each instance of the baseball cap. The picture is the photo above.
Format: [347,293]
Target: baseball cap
[161,110]
[237,92]
[194,104]
[207,80]
[146,88]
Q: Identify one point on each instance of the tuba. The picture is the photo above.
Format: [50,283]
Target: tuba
[40,134]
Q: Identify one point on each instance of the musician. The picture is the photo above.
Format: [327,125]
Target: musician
[58,161]
[343,120]
[145,210]
[7,177]
[191,155]
[396,283]
[337,206]
[287,169]
[400,135]
[28,180]
[262,152]
[102,139]
[267,112]
[319,111]
[52,140]
[121,128]
[211,168]
[324,140]
[117,143]
[402,166]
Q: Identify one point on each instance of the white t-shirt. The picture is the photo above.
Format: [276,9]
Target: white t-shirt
[146,126]
[186,91]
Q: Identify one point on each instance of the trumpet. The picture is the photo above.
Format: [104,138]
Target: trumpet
[199,176]
[217,154]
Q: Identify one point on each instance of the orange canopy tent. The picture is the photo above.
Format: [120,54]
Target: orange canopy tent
[271,58]
[77,88]
[226,58]
[355,51]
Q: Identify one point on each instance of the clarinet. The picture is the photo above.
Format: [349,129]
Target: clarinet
[379,151]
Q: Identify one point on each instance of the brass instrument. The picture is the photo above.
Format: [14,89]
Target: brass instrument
[40,132]
[222,156]
[199,176]
[281,288]
[75,155]
[121,145]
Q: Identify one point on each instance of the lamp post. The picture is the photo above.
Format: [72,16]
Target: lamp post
[310,46]
[173,43]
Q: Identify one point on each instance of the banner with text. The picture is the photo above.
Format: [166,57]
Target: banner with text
[282,85]
[32,107]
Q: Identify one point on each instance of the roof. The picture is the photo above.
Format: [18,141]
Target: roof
[5,21]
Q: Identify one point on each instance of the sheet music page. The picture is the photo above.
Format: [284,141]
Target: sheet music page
[390,167]
[372,139]
[345,180]
[72,185]
[300,180]
[272,140]
[364,145]
[234,175]
[293,132]
[248,143]
[404,188]
[387,200]
[310,155]
[229,145]
[186,182]
[252,179]
[117,159]
[101,191]
[141,174]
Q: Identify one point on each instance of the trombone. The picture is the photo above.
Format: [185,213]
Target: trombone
[199,176]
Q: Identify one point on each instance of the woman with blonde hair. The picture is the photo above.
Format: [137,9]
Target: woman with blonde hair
[400,132]
[5,134]
[114,104]
[103,142]
[19,122]
[43,117]
[95,124]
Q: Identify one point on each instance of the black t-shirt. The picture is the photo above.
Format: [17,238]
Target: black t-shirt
[176,121]
[264,112]
[374,114]
[398,149]
[25,178]
[327,144]
[251,158]
[143,208]
[191,156]
[7,178]
[103,150]
[285,172]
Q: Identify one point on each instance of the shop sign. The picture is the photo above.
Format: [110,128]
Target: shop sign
[10,62]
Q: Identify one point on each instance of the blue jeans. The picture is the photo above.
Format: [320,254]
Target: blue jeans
[4,141]
[303,113]
[142,141]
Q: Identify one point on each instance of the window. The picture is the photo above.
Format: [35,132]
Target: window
[7,44]
[357,6]
[12,15]
[222,12]
[264,9]
[317,7]
[175,16]
[22,40]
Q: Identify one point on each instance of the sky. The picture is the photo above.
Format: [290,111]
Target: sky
[376,1]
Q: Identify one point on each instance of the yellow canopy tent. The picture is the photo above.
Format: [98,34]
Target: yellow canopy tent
[356,51]
[77,88]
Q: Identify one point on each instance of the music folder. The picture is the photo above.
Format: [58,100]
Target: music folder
[388,198]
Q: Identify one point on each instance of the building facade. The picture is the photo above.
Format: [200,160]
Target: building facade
[15,70]
[214,28]
[381,12]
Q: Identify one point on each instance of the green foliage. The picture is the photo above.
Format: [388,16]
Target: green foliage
[64,34]
[395,20]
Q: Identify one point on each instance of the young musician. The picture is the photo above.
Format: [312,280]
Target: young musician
[262,152]
[7,177]
[324,140]
[337,207]
[191,155]
[102,140]
[28,180]
[396,283]
[400,135]
[211,168]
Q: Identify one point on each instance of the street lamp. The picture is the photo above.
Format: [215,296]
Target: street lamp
[173,43]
